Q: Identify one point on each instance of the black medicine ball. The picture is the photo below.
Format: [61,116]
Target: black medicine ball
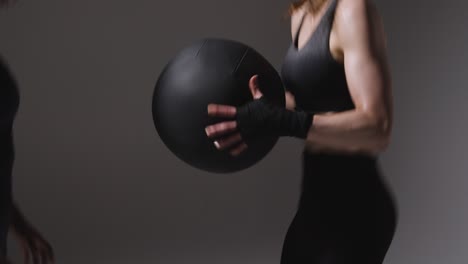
[208,71]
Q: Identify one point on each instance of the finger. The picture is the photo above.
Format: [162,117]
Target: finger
[26,253]
[35,254]
[46,251]
[43,246]
[45,258]
[221,110]
[220,128]
[238,150]
[42,252]
[49,251]
[46,255]
[228,141]
[32,248]
[254,87]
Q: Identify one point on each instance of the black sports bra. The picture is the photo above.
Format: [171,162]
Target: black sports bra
[316,79]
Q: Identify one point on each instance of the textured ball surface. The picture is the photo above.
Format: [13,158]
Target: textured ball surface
[208,71]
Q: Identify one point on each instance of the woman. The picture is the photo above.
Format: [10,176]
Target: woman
[34,246]
[339,101]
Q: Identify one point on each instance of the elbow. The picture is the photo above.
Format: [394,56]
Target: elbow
[381,133]
[382,143]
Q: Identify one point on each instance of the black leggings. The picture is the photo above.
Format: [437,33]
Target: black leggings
[6,165]
[345,215]
[9,103]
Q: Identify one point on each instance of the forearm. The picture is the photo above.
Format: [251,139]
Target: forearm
[350,131]
[347,131]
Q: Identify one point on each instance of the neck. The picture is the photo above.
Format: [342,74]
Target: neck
[315,5]
[312,6]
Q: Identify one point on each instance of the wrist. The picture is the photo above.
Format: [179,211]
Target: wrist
[297,123]
[262,118]
[282,121]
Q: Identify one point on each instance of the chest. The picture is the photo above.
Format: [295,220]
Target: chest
[314,76]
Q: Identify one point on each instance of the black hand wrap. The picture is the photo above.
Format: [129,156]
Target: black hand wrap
[262,118]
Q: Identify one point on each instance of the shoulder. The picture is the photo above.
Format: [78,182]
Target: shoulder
[359,20]
[353,11]
[358,13]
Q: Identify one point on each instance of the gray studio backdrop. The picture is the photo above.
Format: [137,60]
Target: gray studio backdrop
[93,175]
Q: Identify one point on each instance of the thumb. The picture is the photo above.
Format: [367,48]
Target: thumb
[254,87]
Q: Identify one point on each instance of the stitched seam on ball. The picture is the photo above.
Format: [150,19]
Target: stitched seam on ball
[240,61]
[198,52]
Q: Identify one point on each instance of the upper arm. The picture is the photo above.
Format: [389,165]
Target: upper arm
[362,41]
